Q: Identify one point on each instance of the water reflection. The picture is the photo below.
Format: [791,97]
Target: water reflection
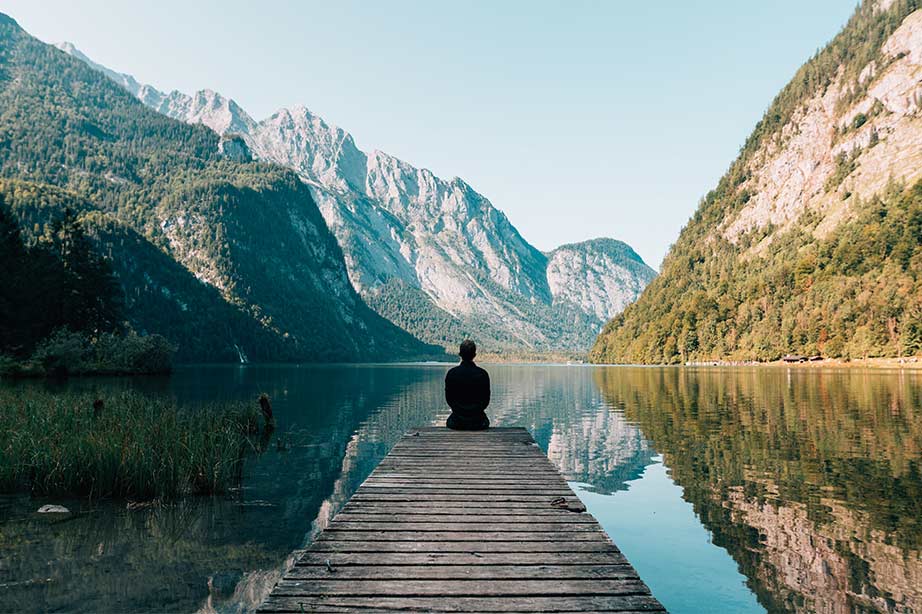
[336,423]
[811,480]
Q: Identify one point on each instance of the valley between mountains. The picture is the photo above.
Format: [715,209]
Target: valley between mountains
[280,240]
[430,255]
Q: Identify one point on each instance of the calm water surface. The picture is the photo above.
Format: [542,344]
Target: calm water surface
[731,490]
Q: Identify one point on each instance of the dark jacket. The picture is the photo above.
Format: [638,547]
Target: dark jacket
[467,392]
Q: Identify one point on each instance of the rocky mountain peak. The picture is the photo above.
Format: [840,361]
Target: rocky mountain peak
[844,143]
[603,275]
[126,81]
[430,254]
[320,152]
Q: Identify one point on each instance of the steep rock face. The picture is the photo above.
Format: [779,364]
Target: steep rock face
[233,147]
[810,244]
[602,276]
[205,107]
[433,256]
[879,131]
[154,182]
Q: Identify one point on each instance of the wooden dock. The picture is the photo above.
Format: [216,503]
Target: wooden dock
[463,522]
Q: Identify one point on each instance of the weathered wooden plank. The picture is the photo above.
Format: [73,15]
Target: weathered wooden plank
[443,449]
[563,534]
[473,517]
[466,442]
[428,480]
[472,491]
[460,514]
[463,588]
[524,507]
[607,571]
[463,522]
[450,446]
[519,451]
[452,443]
[462,495]
[501,473]
[469,461]
[473,465]
[498,471]
[552,605]
[439,526]
[431,483]
[466,476]
[479,547]
[537,500]
[495,455]
[502,478]
[470,466]
[423,483]
[477,469]
[487,559]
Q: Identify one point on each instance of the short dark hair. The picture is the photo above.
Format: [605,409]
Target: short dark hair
[468,349]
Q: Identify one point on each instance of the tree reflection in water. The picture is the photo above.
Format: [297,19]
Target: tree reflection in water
[224,554]
[810,479]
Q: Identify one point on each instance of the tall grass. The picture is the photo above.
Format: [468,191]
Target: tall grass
[136,447]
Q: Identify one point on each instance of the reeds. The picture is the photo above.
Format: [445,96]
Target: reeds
[132,446]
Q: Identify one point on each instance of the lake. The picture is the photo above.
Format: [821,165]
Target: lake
[730,490]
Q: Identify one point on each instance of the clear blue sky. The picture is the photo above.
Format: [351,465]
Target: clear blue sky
[578,119]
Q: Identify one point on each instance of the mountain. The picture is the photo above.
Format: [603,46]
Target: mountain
[431,255]
[601,276]
[225,258]
[812,242]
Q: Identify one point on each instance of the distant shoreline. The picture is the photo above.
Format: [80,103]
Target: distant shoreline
[909,363]
[912,362]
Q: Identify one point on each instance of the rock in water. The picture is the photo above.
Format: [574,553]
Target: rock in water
[53,509]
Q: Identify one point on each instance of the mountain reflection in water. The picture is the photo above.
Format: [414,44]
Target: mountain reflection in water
[809,481]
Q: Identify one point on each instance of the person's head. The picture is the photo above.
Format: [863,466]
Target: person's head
[468,350]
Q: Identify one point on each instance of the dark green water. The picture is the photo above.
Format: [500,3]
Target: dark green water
[746,490]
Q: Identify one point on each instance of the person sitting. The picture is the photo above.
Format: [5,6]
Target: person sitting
[467,392]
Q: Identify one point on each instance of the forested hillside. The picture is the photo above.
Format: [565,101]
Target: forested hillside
[812,242]
[225,258]
[431,255]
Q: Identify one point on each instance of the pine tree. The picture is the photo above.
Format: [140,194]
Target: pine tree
[12,261]
[92,296]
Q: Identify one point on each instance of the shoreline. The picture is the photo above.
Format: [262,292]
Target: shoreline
[908,363]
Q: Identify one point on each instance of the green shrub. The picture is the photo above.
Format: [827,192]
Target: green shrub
[70,353]
[8,365]
[133,353]
[63,352]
